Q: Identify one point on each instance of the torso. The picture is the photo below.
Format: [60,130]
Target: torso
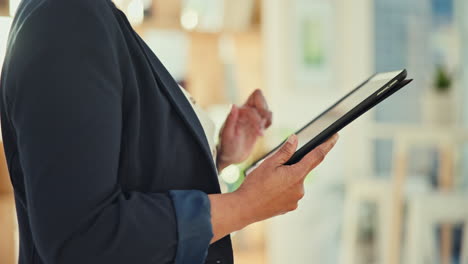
[157,122]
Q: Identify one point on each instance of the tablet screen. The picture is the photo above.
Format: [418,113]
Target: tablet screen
[333,114]
[343,107]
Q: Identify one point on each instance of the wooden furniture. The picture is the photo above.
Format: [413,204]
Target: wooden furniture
[358,192]
[8,224]
[208,76]
[446,140]
[425,212]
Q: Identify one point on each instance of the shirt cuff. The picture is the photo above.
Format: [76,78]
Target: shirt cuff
[194,228]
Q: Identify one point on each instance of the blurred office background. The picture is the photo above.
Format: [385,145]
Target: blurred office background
[395,189]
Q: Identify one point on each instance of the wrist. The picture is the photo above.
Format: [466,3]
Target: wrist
[220,162]
[228,214]
[221,165]
[247,206]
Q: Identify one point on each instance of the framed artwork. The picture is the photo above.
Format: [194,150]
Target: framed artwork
[312,35]
[444,35]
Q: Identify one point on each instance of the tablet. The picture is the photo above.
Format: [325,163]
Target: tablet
[367,95]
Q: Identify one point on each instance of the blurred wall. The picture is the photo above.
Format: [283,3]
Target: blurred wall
[8,226]
[312,232]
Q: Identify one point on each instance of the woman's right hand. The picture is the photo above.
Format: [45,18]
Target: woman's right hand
[273,188]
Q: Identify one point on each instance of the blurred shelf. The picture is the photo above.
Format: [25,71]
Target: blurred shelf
[154,23]
[4,10]
[419,132]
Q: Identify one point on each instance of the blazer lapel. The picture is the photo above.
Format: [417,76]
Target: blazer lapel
[178,99]
[175,95]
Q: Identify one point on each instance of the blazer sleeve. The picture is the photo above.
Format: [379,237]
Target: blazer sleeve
[66,109]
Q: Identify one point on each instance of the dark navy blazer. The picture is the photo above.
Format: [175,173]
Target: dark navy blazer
[107,158]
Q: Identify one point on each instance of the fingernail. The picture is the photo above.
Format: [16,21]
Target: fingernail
[292,138]
[335,138]
[233,108]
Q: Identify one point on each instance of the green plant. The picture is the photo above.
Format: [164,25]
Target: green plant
[443,80]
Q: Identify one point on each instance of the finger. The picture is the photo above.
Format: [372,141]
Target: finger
[251,117]
[261,128]
[285,152]
[251,101]
[249,127]
[301,191]
[315,157]
[231,121]
[260,121]
[268,119]
[257,100]
[266,115]
[262,108]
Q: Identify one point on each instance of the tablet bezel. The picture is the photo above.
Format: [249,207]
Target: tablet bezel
[390,87]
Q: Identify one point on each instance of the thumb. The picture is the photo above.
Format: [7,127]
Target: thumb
[285,152]
[231,121]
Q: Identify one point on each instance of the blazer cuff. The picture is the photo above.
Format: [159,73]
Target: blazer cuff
[194,230]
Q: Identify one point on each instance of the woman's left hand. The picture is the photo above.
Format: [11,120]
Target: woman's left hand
[241,130]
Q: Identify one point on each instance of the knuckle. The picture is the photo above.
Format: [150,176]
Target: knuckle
[301,194]
[320,154]
[286,149]
[293,206]
[283,151]
[300,169]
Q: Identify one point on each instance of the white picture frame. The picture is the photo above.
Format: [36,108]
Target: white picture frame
[312,43]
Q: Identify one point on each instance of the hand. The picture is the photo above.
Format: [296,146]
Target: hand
[269,190]
[241,130]
[274,188]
